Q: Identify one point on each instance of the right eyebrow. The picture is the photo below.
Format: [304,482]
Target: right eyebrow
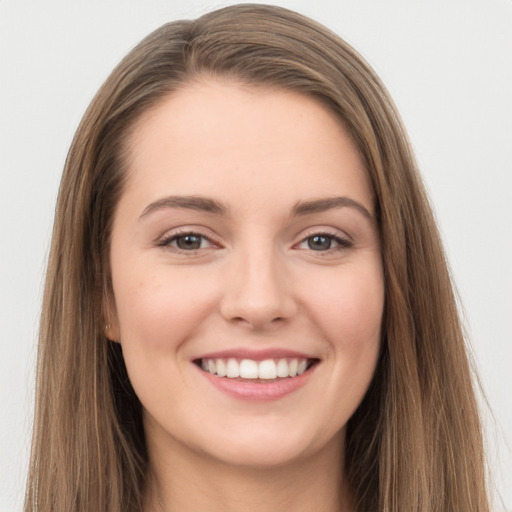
[324,204]
[202,204]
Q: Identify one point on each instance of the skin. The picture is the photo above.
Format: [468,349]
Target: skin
[254,282]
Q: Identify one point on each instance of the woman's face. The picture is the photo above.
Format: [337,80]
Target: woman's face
[245,243]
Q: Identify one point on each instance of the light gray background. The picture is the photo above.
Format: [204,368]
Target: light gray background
[448,65]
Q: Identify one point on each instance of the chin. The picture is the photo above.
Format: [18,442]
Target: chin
[259,447]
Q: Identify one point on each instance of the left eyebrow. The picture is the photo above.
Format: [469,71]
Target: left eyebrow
[198,203]
[322,205]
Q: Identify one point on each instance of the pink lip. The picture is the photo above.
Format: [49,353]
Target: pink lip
[259,391]
[255,355]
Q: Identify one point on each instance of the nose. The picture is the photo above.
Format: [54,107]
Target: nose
[258,291]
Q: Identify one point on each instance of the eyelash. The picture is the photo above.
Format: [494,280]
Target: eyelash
[167,241]
[342,244]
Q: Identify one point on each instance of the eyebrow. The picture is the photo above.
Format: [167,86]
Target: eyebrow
[205,204]
[202,204]
[322,205]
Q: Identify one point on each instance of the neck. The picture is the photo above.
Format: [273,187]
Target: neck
[186,481]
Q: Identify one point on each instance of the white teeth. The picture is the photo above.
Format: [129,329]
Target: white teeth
[232,369]
[282,368]
[221,367]
[292,367]
[302,367]
[267,369]
[248,369]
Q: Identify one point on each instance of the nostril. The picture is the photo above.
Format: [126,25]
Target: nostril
[257,321]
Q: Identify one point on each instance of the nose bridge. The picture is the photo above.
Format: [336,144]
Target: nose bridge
[258,292]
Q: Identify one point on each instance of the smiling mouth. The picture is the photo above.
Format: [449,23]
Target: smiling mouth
[249,370]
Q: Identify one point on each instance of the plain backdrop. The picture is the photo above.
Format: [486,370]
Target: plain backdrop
[447,64]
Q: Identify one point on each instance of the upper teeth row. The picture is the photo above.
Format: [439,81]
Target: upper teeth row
[249,369]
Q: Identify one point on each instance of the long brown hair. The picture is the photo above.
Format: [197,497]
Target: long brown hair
[414,444]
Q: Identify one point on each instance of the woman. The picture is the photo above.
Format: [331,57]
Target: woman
[247,303]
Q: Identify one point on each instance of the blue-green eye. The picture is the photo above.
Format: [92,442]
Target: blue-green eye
[319,242]
[186,242]
[323,242]
[189,242]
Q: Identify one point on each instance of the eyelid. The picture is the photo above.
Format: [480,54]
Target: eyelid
[326,231]
[164,241]
[342,239]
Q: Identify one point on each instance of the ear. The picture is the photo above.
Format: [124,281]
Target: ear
[111,323]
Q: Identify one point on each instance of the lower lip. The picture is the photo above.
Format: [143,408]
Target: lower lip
[259,391]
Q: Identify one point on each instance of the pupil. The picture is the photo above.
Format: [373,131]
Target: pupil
[189,242]
[319,243]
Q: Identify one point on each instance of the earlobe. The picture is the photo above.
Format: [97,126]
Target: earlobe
[110,323]
[111,333]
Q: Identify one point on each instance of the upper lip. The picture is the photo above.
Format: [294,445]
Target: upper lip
[255,354]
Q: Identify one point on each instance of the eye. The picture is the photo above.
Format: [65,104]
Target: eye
[186,242]
[323,242]
[319,242]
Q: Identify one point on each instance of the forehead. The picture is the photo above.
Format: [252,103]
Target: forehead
[213,136]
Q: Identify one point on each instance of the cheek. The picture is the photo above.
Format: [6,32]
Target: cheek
[160,308]
[348,307]
[351,323]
